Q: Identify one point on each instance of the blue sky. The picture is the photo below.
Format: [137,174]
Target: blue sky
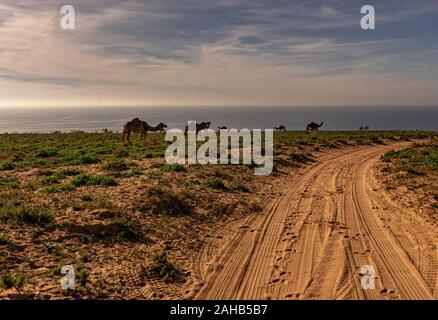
[229,52]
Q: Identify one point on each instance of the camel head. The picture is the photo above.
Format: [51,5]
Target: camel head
[204,125]
[161,127]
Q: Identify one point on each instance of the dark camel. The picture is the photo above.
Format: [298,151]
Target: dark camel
[222,128]
[364,128]
[280,128]
[313,126]
[199,127]
[138,126]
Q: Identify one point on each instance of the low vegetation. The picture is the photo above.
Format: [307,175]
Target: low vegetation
[163,268]
[88,200]
[215,183]
[419,159]
[18,215]
[8,281]
[163,202]
[93,180]
[414,169]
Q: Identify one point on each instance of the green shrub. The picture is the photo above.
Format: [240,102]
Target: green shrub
[86,198]
[49,180]
[16,158]
[166,203]
[239,187]
[392,154]
[7,281]
[122,153]
[70,172]
[7,166]
[81,275]
[56,270]
[17,215]
[3,240]
[47,152]
[117,165]
[162,267]
[88,159]
[10,182]
[173,168]
[127,231]
[52,189]
[82,158]
[93,180]
[215,183]
[51,248]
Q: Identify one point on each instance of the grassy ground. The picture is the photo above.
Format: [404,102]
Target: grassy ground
[124,218]
[79,148]
[415,171]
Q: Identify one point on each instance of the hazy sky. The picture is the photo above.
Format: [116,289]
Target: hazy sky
[221,52]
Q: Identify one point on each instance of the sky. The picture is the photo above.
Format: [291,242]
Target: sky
[222,52]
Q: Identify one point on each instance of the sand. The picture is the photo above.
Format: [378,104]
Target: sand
[313,238]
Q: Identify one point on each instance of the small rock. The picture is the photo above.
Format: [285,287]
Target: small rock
[106,213]
[41,271]
[37,172]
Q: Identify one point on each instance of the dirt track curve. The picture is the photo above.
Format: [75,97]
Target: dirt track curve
[312,240]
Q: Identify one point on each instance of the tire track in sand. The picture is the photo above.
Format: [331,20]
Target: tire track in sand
[311,241]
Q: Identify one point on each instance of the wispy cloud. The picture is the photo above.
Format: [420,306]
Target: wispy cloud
[229,51]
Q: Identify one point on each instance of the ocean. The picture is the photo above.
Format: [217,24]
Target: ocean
[93,119]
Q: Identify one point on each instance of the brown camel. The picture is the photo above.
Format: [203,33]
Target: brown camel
[199,127]
[364,128]
[280,128]
[313,126]
[138,126]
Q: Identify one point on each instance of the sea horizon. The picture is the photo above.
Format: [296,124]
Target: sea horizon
[97,118]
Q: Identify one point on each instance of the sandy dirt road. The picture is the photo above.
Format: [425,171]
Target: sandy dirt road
[313,239]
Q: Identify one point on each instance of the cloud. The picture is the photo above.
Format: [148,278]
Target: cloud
[215,51]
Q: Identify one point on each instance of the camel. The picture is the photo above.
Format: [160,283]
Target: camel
[199,127]
[222,128]
[313,126]
[138,126]
[280,128]
[364,128]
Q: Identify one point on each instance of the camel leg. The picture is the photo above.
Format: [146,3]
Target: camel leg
[127,137]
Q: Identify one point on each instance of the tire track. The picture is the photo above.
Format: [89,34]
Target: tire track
[311,241]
